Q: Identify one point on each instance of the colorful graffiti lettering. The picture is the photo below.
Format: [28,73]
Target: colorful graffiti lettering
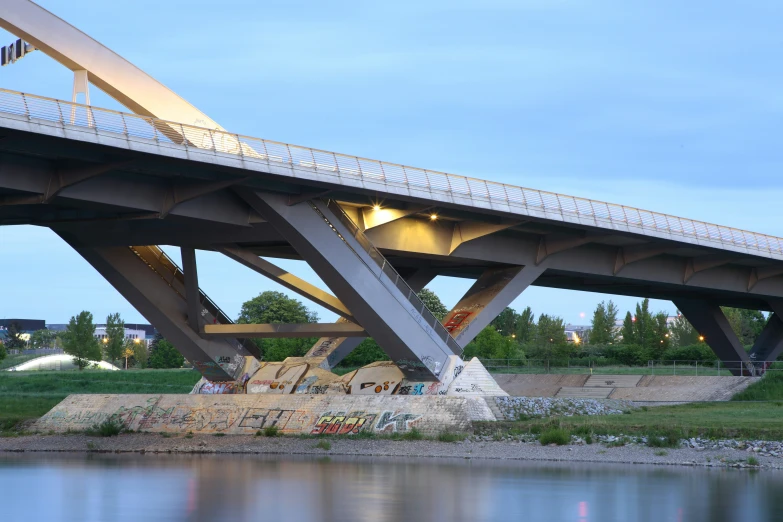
[342,424]
[305,385]
[398,422]
[257,418]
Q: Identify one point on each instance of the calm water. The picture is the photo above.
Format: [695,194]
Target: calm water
[210,488]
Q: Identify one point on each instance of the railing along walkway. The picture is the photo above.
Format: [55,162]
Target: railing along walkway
[472,191]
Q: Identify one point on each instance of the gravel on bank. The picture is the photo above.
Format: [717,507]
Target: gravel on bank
[479,449]
[514,408]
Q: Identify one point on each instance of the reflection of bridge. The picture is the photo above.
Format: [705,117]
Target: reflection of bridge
[374,232]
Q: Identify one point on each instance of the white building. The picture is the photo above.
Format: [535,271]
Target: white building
[137,336]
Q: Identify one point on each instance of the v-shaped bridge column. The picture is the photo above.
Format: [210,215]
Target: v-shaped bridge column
[335,349]
[164,307]
[360,277]
[769,344]
[709,321]
[492,292]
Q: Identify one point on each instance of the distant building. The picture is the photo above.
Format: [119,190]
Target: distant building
[577,334]
[143,332]
[25,325]
[131,334]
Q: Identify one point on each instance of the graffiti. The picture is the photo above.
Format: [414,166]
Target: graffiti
[399,422]
[323,348]
[318,390]
[404,390]
[211,418]
[224,360]
[342,424]
[418,389]
[474,388]
[303,387]
[378,388]
[458,370]
[221,388]
[257,418]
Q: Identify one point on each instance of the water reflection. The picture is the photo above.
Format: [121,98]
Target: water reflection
[213,488]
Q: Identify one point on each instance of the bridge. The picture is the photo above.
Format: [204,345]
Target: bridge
[114,184]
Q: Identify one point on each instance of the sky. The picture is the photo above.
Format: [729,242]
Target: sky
[669,106]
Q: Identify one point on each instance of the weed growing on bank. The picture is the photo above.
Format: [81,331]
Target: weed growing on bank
[557,436]
[324,445]
[769,388]
[107,428]
[271,431]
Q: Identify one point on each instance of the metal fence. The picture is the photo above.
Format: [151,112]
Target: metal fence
[589,366]
[303,159]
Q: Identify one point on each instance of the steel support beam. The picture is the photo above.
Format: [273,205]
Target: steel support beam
[191,287]
[769,344]
[492,292]
[160,304]
[284,330]
[335,349]
[286,279]
[352,269]
[708,319]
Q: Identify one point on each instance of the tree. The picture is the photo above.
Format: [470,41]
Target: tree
[140,354]
[3,352]
[491,344]
[13,337]
[526,326]
[603,325]
[506,322]
[43,338]
[683,333]
[164,355]
[80,342]
[276,307]
[627,332]
[114,344]
[747,324]
[433,303]
[367,352]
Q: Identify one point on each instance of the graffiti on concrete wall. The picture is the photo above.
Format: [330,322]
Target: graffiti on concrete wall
[343,423]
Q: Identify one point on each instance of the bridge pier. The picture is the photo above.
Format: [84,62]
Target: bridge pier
[708,319]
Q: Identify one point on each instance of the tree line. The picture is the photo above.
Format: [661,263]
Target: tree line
[78,340]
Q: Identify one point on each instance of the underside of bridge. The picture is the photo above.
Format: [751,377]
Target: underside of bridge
[374,244]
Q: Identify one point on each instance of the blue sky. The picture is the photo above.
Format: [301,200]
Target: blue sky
[670,106]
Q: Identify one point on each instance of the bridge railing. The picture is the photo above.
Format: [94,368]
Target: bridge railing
[603,367]
[478,192]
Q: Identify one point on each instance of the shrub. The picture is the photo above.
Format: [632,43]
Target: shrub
[753,461]
[108,428]
[324,445]
[218,434]
[668,439]
[271,431]
[557,436]
[412,434]
[448,436]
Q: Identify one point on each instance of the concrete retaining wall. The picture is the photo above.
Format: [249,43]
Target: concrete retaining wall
[246,414]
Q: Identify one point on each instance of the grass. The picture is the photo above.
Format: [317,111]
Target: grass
[661,453]
[557,436]
[271,431]
[13,360]
[713,420]
[448,436]
[412,434]
[108,428]
[324,445]
[667,439]
[753,461]
[769,388]
[29,395]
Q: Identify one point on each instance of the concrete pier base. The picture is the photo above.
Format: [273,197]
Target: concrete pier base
[291,414]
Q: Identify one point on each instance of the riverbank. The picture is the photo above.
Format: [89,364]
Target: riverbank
[149,443]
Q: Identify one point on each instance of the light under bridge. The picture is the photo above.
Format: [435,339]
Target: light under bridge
[374,232]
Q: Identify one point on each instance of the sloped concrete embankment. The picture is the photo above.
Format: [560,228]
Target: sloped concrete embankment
[290,414]
[647,388]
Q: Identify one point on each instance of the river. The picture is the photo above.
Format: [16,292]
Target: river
[99,487]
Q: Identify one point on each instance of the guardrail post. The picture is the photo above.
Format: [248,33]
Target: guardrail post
[26,108]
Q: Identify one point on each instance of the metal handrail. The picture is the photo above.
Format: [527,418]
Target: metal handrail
[396,279]
[514,198]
